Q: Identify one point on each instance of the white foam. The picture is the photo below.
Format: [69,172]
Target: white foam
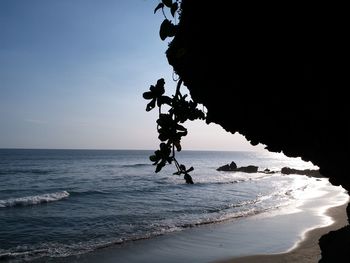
[33,200]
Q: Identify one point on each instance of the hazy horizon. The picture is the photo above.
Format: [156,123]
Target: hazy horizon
[125,149]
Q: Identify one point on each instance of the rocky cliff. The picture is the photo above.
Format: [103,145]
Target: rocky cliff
[276,74]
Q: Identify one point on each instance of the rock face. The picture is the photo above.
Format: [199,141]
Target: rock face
[335,245]
[275,74]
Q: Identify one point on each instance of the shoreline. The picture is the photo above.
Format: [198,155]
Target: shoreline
[288,234]
[307,250]
[285,234]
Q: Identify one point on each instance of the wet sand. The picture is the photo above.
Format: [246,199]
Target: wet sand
[305,251]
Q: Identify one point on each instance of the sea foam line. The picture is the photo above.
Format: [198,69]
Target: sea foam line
[33,200]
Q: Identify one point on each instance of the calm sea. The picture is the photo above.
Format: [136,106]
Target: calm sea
[66,202]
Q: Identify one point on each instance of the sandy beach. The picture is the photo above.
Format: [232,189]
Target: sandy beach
[305,251]
[287,235]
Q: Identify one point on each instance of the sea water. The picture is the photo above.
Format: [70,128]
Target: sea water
[59,203]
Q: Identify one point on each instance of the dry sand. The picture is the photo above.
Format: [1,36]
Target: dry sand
[308,249]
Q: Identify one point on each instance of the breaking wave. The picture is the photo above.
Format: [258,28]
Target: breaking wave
[33,200]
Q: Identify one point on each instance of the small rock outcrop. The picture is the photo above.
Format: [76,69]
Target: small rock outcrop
[267,171]
[308,172]
[228,167]
[248,169]
[232,167]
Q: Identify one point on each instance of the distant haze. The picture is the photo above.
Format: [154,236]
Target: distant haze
[72,74]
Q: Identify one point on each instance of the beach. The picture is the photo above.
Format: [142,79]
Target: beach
[305,251]
[274,236]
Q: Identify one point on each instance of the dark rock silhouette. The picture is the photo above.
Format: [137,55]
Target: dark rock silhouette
[334,245]
[233,165]
[313,173]
[228,167]
[274,73]
[248,169]
[225,168]
[267,171]
[233,168]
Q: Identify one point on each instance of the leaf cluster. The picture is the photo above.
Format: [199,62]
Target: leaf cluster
[169,124]
[167,28]
[156,95]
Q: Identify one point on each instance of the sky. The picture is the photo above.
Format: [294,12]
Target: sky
[72,74]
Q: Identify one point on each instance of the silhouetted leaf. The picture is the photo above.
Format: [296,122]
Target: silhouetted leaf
[173,8]
[190,170]
[167,3]
[184,133]
[164,100]
[164,28]
[167,29]
[148,95]
[153,158]
[159,167]
[178,146]
[151,105]
[165,120]
[180,128]
[161,5]
[157,90]
[163,137]
[163,147]
[182,168]
[160,82]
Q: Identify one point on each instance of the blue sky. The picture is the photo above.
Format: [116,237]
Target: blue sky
[72,74]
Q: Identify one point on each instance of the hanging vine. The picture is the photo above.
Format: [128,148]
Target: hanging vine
[180,108]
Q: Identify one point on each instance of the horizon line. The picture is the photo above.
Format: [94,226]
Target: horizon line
[120,149]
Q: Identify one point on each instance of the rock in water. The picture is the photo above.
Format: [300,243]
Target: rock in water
[308,172]
[248,169]
[232,167]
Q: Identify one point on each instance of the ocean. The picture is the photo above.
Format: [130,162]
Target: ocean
[60,203]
